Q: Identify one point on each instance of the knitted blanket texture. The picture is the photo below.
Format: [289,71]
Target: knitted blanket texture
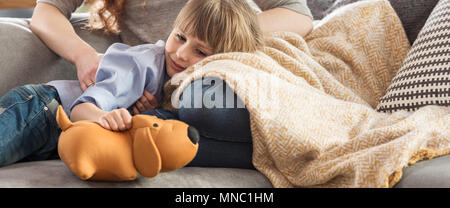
[311,102]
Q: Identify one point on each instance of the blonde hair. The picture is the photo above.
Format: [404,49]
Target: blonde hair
[226,25]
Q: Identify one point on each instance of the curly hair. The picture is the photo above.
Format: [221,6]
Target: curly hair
[105,15]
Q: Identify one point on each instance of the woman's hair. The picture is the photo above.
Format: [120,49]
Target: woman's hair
[226,25]
[105,14]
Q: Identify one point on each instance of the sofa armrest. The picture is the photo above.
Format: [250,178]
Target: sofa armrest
[25,59]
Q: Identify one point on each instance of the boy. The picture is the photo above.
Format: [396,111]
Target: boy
[28,127]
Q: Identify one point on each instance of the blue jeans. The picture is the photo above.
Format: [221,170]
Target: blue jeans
[225,137]
[28,128]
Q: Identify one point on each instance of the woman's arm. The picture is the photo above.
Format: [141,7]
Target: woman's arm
[49,24]
[116,120]
[282,19]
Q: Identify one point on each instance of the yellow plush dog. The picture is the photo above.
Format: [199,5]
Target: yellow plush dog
[151,146]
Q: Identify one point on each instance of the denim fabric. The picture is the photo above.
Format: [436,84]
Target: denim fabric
[223,154]
[28,126]
[225,137]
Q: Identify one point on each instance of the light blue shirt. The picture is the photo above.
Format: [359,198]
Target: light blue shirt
[123,74]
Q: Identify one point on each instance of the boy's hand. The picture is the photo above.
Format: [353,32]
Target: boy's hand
[145,103]
[116,120]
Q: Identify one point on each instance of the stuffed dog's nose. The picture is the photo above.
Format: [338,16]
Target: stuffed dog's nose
[193,134]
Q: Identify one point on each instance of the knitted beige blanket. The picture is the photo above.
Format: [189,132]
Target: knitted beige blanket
[312,100]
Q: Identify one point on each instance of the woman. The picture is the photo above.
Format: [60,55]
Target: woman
[225,133]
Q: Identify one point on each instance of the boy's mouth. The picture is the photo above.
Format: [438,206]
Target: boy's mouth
[175,66]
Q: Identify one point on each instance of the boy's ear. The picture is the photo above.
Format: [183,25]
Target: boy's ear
[145,153]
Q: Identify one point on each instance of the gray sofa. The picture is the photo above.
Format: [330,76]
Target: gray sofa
[25,59]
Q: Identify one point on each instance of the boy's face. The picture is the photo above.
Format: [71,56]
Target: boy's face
[183,50]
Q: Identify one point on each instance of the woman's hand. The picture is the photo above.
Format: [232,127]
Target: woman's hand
[116,120]
[145,103]
[87,68]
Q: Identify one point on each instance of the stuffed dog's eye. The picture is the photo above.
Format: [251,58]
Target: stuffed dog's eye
[155,125]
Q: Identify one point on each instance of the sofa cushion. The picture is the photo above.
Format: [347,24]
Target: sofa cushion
[424,78]
[434,173]
[413,15]
[25,59]
[319,8]
[54,174]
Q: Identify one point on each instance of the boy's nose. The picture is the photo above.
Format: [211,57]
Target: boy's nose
[182,53]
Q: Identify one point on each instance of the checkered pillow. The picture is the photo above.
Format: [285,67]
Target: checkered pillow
[424,78]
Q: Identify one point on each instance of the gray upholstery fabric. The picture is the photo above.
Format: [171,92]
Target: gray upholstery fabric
[54,174]
[25,13]
[413,14]
[434,173]
[25,59]
[319,8]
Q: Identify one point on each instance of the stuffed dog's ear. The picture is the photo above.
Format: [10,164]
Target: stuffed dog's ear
[146,155]
[62,119]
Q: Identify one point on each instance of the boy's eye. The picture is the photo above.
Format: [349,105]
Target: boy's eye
[201,53]
[180,37]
